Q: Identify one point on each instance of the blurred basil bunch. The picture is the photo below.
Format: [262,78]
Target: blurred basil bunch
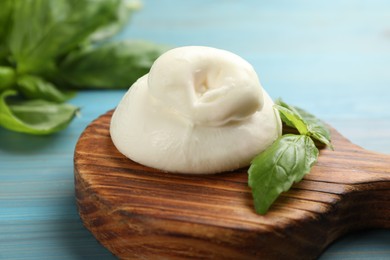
[49,47]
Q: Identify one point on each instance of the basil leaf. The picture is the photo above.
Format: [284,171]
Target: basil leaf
[274,171]
[124,11]
[38,117]
[112,65]
[304,122]
[34,87]
[43,29]
[317,128]
[5,21]
[5,16]
[7,77]
[292,118]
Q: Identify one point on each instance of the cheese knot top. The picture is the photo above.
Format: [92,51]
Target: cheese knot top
[199,110]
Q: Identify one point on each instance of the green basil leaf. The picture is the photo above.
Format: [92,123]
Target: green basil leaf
[5,16]
[112,65]
[274,171]
[293,119]
[304,122]
[5,25]
[43,29]
[34,87]
[7,77]
[37,117]
[124,12]
[317,128]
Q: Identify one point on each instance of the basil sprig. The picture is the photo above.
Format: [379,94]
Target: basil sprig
[288,159]
[48,49]
[35,116]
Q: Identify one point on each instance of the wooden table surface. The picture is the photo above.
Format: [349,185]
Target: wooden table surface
[329,57]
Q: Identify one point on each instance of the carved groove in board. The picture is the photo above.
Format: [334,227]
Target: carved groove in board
[139,212]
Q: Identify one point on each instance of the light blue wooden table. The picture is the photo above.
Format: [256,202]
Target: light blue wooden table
[329,57]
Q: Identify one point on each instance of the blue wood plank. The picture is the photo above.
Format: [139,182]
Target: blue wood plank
[38,215]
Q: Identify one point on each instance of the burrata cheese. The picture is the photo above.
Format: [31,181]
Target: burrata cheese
[199,110]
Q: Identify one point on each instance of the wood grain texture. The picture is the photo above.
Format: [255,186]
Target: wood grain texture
[141,213]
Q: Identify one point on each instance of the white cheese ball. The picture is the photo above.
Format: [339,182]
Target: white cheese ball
[200,110]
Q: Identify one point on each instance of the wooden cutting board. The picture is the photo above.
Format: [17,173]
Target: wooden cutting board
[142,213]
